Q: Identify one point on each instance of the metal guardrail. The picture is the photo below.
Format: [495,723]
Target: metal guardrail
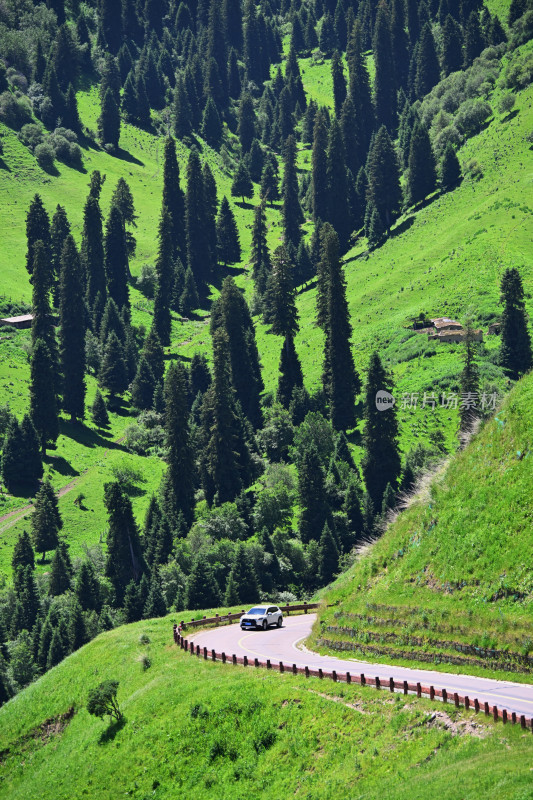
[219,619]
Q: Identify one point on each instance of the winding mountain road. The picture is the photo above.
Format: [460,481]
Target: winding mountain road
[284,644]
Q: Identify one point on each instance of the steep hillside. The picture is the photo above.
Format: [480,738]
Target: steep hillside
[454,569]
[206,730]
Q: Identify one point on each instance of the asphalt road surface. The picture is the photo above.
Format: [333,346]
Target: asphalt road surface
[282,644]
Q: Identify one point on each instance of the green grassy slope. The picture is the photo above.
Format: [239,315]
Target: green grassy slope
[456,565]
[203,730]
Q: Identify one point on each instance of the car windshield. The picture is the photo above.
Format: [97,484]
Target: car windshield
[257,611]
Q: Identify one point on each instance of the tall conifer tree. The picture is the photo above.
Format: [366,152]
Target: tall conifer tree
[72,331]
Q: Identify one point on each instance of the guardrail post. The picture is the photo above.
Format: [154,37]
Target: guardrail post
[467,703]
[305,607]
[363,679]
[444,696]
[513,717]
[256,662]
[216,620]
[234,659]
[307,675]
[378,683]
[191,648]
[294,669]
[476,705]
[504,716]
[245,661]
[391,684]
[320,673]
[431,692]
[269,665]
[405,688]
[213,655]
[205,653]
[456,699]
[348,678]
[486,709]
[418,690]
[288,609]
[223,658]
[281,666]
[175,633]
[522,721]
[495,713]
[334,675]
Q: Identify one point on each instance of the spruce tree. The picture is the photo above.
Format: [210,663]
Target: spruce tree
[21,466]
[211,206]
[23,555]
[381,461]
[313,499]
[290,372]
[155,605]
[228,245]
[382,170]
[182,110]
[400,42]
[261,265]
[110,24]
[44,525]
[255,161]
[338,213]
[422,175]
[87,589]
[165,277]
[59,231]
[291,210]
[124,560]
[280,298]
[189,299]
[244,583]
[77,633]
[43,399]
[452,46]
[242,185]
[133,605]
[328,563]
[474,42]
[450,170]
[178,488]
[92,251]
[246,123]
[143,386]
[173,198]
[339,83]
[37,230]
[427,66]
[211,125]
[198,256]
[202,589]
[59,580]
[99,413]
[469,380]
[385,80]
[29,461]
[57,652]
[360,92]
[319,168]
[109,121]
[269,191]
[340,380]
[515,347]
[154,354]
[72,332]
[116,259]
[113,373]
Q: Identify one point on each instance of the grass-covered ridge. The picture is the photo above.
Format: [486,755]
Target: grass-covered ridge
[456,565]
[207,730]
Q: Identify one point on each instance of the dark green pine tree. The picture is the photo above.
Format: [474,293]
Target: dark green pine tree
[109,121]
[374,227]
[182,112]
[43,399]
[165,277]
[280,298]
[256,159]
[154,354]
[202,589]
[212,125]
[92,251]
[313,498]
[99,414]
[110,24]
[22,467]
[422,175]
[360,92]
[72,116]
[291,211]
[53,91]
[113,373]
[173,198]
[116,259]
[42,326]
[45,638]
[515,346]
[349,128]
[385,79]
[72,332]
[450,170]
[59,231]
[143,386]
[129,102]
[245,586]
[23,555]
[339,83]
[452,46]
[242,185]
[384,190]
[247,122]
[211,206]
[198,255]
[474,42]
[57,651]
[269,183]
[77,633]
[427,65]
[261,265]
[381,461]
[87,589]
[37,230]
[293,81]
[328,556]
[340,380]
[400,42]
[352,507]
[189,299]
[59,580]
[319,168]
[124,560]
[178,486]
[228,245]
[155,605]
[237,322]
[44,527]
[338,212]
[290,369]
[133,605]
[144,118]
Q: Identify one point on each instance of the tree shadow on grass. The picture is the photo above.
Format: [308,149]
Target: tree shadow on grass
[124,155]
[4,166]
[111,731]
[61,465]
[88,437]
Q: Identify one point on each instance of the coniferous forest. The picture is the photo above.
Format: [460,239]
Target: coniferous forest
[264,493]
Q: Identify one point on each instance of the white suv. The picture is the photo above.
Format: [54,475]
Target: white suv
[261,617]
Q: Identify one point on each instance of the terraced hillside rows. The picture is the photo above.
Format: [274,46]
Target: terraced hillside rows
[450,581]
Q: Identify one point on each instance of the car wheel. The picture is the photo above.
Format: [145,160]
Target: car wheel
[264,626]
[280,621]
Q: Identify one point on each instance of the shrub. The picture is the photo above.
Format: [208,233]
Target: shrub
[14,112]
[147,280]
[102,701]
[506,103]
[519,73]
[473,169]
[31,135]
[471,116]
[45,156]
[127,476]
